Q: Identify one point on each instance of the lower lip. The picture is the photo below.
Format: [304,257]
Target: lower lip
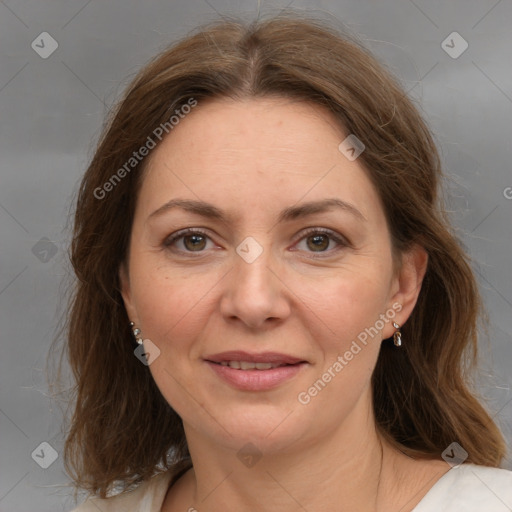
[256,380]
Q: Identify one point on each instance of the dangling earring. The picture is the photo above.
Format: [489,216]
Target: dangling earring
[397,336]
[136,333]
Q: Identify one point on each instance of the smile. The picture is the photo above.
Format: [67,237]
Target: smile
[248,365]
[251,376]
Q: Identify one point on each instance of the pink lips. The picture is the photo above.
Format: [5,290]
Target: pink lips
[264,357]
[255,380]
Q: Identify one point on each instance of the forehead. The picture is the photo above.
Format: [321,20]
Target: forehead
[225,125]
[254,153]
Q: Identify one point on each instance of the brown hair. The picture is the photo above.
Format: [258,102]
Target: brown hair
[122,429]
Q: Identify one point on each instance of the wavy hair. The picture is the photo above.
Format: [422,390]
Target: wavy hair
[122,429]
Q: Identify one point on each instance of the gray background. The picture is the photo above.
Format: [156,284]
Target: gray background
[51,112]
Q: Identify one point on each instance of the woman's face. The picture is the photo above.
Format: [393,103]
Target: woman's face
[273,271]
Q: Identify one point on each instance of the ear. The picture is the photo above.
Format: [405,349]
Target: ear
[124,281]
[407,286]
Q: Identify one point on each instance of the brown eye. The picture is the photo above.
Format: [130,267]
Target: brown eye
[321,241]
[194,242]
[318,242]
[188,241]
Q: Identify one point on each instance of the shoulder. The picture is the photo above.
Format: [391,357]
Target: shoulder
[470,488]
[147,497]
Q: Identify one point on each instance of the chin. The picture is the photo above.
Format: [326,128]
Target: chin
[270,429]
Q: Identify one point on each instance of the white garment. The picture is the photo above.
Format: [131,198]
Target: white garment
[148,497]
[464,488]
[470,488]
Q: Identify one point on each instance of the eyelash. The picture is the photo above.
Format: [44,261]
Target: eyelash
[342,242]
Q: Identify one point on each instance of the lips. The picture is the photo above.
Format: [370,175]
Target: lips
[255,372]
[273,358]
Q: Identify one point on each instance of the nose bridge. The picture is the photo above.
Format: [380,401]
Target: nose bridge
[252,269]
[254,293]
[254,276]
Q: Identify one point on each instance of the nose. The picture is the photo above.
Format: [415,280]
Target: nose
[255,294]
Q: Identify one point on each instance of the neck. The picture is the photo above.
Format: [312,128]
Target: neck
[351,469]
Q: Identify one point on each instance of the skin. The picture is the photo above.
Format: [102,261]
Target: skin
[252,159]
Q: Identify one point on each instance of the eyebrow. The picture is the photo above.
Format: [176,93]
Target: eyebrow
[210,211]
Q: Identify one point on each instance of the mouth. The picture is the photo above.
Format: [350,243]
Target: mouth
[240,360]
[248,365]
[255,372]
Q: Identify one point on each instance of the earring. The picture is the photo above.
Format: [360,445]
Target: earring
[136,333]
[397,336]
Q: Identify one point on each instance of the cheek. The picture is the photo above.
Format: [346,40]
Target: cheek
[349,339]
[349,305]
[171,305]
[172,311]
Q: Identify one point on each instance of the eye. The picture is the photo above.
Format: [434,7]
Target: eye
[319,240]
[188,240]
[316,240]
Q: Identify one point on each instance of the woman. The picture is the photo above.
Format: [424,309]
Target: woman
[272,312]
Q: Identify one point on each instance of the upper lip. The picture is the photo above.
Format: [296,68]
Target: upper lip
[263,357]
